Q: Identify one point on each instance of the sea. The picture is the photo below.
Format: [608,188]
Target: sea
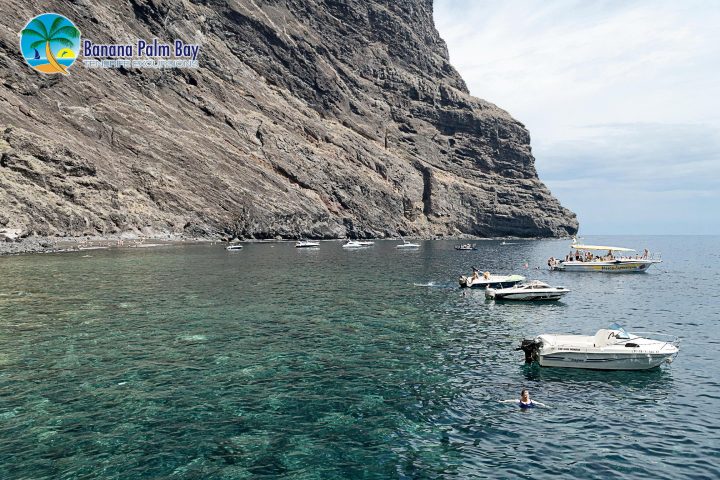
[193,362]
[62,61]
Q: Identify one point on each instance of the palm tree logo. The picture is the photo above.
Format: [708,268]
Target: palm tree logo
[56,37]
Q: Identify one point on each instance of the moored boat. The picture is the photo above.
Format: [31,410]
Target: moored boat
[407,244]
[609,349]
[534,290]
[307,244]
[356,244]
[616,260]
[487,280]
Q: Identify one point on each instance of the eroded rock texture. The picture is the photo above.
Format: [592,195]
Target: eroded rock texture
[321,118]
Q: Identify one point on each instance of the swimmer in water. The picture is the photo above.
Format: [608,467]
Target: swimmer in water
[525,401]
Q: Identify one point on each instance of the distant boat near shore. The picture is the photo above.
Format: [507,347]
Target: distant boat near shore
[307,244]
[407,245]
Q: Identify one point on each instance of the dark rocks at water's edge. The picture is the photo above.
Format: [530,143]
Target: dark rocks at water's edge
[41,244]
[317,119]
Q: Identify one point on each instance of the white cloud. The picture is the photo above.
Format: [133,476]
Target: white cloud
[625,90]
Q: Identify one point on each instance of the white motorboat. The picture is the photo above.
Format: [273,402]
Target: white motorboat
[487,280]
[307,244]
[609,349]
[234,247]
[616,260]
[466,247]
[365,243]
[533,290]
[356,244]
[407,244]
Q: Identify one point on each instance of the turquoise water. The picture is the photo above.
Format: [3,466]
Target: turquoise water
[274,362]
[62,61]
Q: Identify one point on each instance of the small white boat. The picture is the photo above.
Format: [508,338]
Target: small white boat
[487,280]
[307,244]
[465,247]
[234,247]
[407,244]
[356,244]
[365,243]
[609,349]
[528,291]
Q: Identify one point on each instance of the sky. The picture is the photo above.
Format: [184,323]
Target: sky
[621,98]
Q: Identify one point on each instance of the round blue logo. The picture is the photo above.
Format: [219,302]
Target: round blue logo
[50,43]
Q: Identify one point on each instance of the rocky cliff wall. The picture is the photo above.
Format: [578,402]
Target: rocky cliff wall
[317,118]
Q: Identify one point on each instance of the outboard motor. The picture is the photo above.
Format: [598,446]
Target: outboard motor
[531,347]
[463,281]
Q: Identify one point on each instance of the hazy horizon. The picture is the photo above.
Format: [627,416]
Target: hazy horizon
[620,100]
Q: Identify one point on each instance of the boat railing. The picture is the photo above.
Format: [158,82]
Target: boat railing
[666,337]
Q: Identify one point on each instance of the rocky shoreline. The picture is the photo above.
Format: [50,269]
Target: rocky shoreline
[42,244]
[34,244]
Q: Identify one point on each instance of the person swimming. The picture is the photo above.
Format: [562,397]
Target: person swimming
[525,401]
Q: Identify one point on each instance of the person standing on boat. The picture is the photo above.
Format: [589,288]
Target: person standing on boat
[525,401]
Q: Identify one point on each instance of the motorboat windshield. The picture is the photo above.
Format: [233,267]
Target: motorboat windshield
[622,333]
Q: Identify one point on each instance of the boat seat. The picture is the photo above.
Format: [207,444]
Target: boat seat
[604,337]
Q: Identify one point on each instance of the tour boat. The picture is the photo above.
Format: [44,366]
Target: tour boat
[609,349]
[466,247]
[234,247]
[584,260]
[407,244]
[307,244]
[493,281]
[533,290]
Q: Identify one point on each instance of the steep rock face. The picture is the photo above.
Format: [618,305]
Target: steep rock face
[322,118]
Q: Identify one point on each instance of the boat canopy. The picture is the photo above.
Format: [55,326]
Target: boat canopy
[600,247]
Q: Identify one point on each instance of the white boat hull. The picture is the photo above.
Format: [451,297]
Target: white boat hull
[604,361]
[611,266]
[307,245]
[528,296]
[493,281]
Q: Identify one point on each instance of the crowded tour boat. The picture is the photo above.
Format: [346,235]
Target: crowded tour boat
[587,258]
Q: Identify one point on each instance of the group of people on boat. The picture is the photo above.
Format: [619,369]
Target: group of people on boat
[476,274]
[588,256]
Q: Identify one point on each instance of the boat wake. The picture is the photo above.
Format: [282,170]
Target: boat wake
[428,284]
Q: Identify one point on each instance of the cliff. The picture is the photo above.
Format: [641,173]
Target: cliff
[317,118]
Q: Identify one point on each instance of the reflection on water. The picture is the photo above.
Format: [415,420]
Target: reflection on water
[194,362]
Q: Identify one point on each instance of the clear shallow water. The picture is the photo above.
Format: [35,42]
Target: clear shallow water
[194,362]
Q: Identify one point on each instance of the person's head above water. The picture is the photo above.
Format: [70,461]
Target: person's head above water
[524,396]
